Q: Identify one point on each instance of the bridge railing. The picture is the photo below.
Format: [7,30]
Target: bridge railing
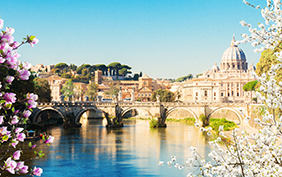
[138,104]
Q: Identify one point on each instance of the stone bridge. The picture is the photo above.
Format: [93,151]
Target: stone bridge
[147,109]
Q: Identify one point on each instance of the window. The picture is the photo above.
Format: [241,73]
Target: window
[145,94]
[196,93]
[142,94]
[138,94]
[237,94]
[214,94]
[222,94]
[221,84]
[232,93]
[214,98]
[206,93]
[196,83]
[196,98]
[214,84]
[228,94]
[149,94]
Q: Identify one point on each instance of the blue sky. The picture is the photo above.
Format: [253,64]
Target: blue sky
[162,38]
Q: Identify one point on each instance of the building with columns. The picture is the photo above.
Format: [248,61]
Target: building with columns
[224,83]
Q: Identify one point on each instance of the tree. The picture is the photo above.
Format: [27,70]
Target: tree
[68,89]
[42,89]
[15,108]
[250,86]
[91,92]
[61,65]
[258,154]
[165,95]
[116,66]
[73,67]
[102,68]
[183,78]
[199,75]
[124,70]
[114,89]
[136,77]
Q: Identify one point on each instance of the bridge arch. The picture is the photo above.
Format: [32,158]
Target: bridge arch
[238,114]
[126,110]
[79,114]
[40,111]
[183,108]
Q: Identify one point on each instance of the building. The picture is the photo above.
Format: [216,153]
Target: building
[56,84]
[224,84]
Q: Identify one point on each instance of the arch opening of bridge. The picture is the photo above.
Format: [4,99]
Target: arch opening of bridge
[85,110]
[238,120]
[170,111]
[43,115]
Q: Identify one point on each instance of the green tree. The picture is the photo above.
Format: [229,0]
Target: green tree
[165,95]
[183,78]
[124,70]
[73,67]
[42,89]
[92,89]
[61,65]
[103,68]
[250,86]
[81,67]
[267,59]
[84,72]
[116,66]
[199,75]
[136,77]
[114,89]
[68,89]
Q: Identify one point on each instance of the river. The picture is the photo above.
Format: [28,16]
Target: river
[133,150]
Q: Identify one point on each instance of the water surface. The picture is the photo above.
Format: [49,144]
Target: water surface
[133,150]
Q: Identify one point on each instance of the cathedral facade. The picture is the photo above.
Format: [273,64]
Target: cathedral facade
[224,83]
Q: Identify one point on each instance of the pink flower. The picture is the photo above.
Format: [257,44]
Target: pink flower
[21,167]
[10,31]
[1,119]
[15,44]
[24,74]
[26,65]
[31,100]
[9,79]
[10,165]
[17,155]
[26,113]
[2,60]
[33,146]
[34,41]
[19,130]
[21,137]
[7,38]
[31,97]
[10,97]
[24,169]
[3,131]
[14,143]
[37,171]
[50,139]
[15,120]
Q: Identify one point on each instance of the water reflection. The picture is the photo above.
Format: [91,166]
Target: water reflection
[133,150]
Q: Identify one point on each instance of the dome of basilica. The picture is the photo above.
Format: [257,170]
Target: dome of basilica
[233,53]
